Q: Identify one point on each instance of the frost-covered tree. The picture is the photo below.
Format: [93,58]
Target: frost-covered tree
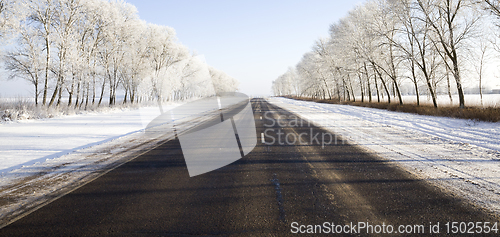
[162,53]
[11,13]
[222,82]
[193,79]
[452,22]
[288,84]
[384,44]
[25,61]
[41,17]
[81,50]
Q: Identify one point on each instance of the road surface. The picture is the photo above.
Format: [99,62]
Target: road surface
[276,190]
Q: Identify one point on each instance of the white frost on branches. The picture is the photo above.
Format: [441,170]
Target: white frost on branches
[385,49]
[83,52]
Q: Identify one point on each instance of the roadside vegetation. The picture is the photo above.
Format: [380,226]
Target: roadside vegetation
[24,109]
[486,114]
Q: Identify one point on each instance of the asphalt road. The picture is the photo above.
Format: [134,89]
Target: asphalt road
[272,191]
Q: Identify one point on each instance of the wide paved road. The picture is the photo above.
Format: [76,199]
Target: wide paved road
[268,192]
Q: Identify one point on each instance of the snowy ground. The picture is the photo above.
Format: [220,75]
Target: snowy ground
[28,142]
[458,155]
[43,159]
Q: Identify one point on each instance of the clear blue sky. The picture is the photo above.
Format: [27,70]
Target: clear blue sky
[253,41]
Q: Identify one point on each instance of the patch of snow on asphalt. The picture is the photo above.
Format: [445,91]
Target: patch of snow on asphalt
[461,156]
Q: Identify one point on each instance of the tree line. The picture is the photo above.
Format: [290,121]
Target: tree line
[80,52]
[432,45]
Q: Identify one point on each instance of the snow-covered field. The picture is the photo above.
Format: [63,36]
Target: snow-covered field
[458,155]
[40,159]
[27,142]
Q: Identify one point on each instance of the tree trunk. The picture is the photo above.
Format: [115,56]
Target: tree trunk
[481,88]
[93,88]
[398,92]
[102,92]
[54,95]
[46,86]
[78,93]
[448,85]
[338,92]
[385,88]
[36,92]
[70,99]
[415,81]
[352,90]
[126,95]
[368,84]
[394,75]
[60,96]
[383,84]
[460,90]
[111,102]
[132,96]
[361,86]
[87,97]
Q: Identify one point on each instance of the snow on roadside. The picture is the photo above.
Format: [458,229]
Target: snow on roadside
[45,159]
[461,156]
[28,142]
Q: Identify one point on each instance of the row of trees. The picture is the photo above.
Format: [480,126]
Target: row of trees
[384,44]
[81,51]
